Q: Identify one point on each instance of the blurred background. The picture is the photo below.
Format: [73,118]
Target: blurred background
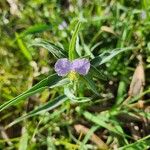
[107,24]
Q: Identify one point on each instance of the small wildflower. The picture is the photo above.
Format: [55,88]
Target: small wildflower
[64,66]
[62,26]
[143,15]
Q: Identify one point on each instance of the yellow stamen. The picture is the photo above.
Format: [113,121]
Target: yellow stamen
[73,75]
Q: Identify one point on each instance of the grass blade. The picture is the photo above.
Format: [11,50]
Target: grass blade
[41,109]
[72,51]
[68,92]
[90,83]
[100,121]
[97,73]
[143,143]
[24,140]
[52,48]
[107,56]
[36,29]
[20,98]
[23,48]
[45,83]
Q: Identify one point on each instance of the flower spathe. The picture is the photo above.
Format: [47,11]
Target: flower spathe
[64,66]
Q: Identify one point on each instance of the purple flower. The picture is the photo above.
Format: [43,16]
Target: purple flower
[143,15]
[64,66]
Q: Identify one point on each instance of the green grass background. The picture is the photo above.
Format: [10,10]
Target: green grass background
[22,65]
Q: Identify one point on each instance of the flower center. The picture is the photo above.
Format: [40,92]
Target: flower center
[72,75]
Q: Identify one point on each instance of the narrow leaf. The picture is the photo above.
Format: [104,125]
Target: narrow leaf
[45,83]
[97,73]
[23,140]
[23,48]
[69,93]
[107,56]
[72,51]
[138,145]
[36,29]
[52,48]
[90,135]
[90,83]
[41,109]
[102,121]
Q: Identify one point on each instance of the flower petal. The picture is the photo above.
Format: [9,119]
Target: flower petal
[81,66]
[62,66]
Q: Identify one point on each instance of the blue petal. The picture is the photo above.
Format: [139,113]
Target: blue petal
[62,66]
[82,66]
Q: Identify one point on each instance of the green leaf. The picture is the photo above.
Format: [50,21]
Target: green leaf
[87,136]
[41,109]
[120,130]
[21,97]
[72,51]
[45,83]
[88,51]
[107,56]
[36,29]
[90,83]
[136,98]
[97,73]
[69,93]
[101,121]
[24,140]
[23,48]
[61,82]
[49,105]
[142,144]
[121,92]
[55,50]
[77,47]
